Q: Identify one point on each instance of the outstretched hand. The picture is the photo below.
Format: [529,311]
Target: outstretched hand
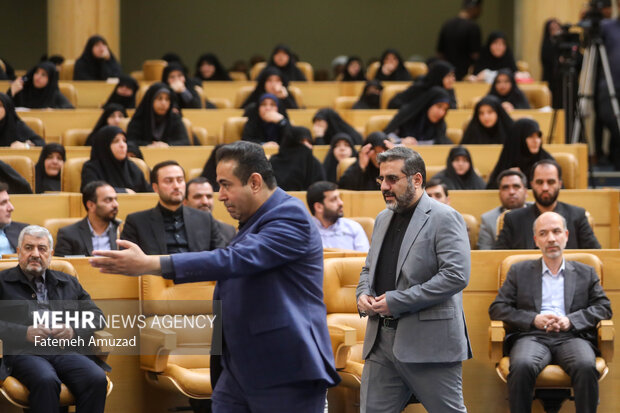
[129,261]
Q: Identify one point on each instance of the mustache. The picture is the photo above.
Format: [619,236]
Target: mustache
[388,193]
[35,259]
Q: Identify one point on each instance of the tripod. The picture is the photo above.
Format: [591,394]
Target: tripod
[591,54]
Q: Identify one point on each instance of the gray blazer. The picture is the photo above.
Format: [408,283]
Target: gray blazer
[76,239]
[520,297]
[488,228]
[432,271]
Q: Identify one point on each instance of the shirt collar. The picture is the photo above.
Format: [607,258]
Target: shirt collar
[92,231]
[30,277]
[546,270]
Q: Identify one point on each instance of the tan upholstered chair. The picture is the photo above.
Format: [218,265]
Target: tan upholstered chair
[54,224]
[194,173]
[11,388]
[377,123]
[432,170]
[416,69]
[455,135]
[343,165]
[36,125]
[367,223]
[553,376]
[153,70]
[68,90]
[232,129]
[537,94]
[245,91]
[305,67]
[345,102]
[389,91]
[570,169]
[238,76]
[71,174]
[473,228]
[176,359]
[66,70]
[23,165]
[75,137]
[202,136]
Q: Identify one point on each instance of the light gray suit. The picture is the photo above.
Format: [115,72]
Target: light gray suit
[488,228]
[430,341]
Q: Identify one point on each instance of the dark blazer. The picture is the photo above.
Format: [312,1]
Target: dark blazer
[517,233]
[146,228]
[270,283]
[227,232]
[18,299]
[520,297]
[76,239]
[12,232]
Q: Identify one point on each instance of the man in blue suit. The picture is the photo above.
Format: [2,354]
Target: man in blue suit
[276,352]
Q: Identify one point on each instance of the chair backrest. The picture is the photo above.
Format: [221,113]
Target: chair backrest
[388,92]
[201,135]
[345,102]
[138,75]
[23,165]
[371,71]
[123,123]
[220,103]
[68,90]
[377,123]
[537,94]
[583,257]
[340,279]
[473,228]
[242,94]
[499,223]
[416,69]
[71,174]
[238,76]
[143,167]
[343,165]
[305,67]
[194,173]
[56,265]
[75,137]
[233,129]
[153,69]
[367,223]
[54,224]
[140,93]
[256,69]
[36,125]
[296,93]
[432,170]
[455,135]
[570,169]
[188,129]
[160,296]
[66,70]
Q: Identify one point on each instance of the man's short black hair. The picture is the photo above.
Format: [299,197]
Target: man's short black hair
[316,193]
[437,182]
[511,172]
[4,187]
[198,180]
[89,193]
[546,162]
[250,158]
[160,165]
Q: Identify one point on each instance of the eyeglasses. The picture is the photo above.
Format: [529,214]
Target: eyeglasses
[390,179]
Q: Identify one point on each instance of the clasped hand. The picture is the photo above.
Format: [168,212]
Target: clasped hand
[373,305]
[552,323]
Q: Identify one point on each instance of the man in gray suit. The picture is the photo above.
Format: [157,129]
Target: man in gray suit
[551,308]
[411,290]
[512,186]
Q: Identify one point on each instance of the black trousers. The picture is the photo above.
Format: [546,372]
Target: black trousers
[531,353]
[43,375]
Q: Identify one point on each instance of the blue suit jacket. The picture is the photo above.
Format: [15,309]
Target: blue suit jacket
[270,283]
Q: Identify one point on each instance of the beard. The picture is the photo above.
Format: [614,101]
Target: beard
[401,202]
[552,197]
[332,216]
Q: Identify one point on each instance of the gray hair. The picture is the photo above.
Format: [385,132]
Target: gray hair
[413,161]
[565,226]
[37,232]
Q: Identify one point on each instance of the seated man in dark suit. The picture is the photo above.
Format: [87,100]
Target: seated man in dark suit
[99,230]
[551,308]
[169,227]
[199,195]
[41,371]
[9,230]
[546,180]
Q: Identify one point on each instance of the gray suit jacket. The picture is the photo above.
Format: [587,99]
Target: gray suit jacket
[12,232]
[432,270]
[488,228]
[76,239]
[520,297]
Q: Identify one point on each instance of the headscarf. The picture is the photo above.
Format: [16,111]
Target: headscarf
[12,128]
[119,174]
[412,119]
[8,73]
[469,180]
[335,124]
[220,72]
[330,164]
[291,71]
[361,76]
[17,183]
[47,97]
[294,166]
[516,153]
[44,182]
[367,100]
[436,72]
[488,61]
[399,74]
[515,96]
[184,103]
[259,131]
[89,67]
[209,170]
[146,126]
[108,110]
[288,103]
[477,134]
[128,102]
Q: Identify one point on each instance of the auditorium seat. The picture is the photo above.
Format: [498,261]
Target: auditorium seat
[377,123]
[232,129]
[415,69]
[238,76]
[68,90]
[538,95]
[202,136]
[153,69]
[389,91]
[343,165]
[244,91]
[194,173]
[176,359]
[473,228]
[54,224]
[305,67]
[345,102]
[23,165]
[12,389]
[553,385]
[71,173]
[368,223]
[66,70]
[36,125]
[74,137]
